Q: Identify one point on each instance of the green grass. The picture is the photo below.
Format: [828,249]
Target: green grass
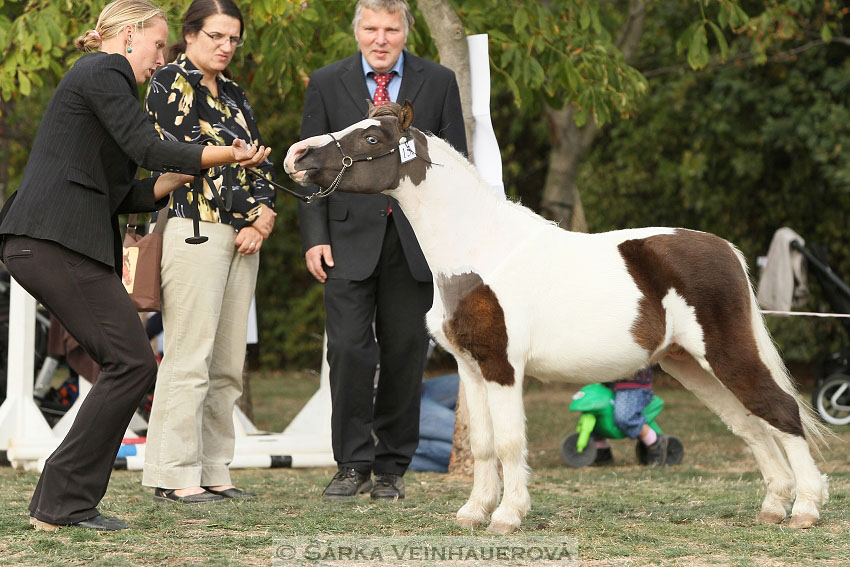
[698,514]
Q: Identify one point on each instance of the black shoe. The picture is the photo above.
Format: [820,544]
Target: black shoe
[168,495]
[604,456]
[388,487]
[347,483]
[656,454]
[233,493]
[97,523]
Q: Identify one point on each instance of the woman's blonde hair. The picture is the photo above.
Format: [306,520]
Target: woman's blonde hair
[112,20]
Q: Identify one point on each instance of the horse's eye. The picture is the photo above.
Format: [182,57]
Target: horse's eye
[372,139]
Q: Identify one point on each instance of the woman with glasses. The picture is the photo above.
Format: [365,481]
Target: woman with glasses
[206,289]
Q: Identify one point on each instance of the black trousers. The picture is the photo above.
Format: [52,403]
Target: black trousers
[89,300]
[397,303]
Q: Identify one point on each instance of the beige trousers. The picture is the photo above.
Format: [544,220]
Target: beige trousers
[206,292]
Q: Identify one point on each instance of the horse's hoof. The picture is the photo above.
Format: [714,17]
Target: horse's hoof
[467,523]
[768,517]
[803,521]
[501,528]
[470,518]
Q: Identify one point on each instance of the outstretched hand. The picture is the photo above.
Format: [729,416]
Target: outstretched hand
[249,155]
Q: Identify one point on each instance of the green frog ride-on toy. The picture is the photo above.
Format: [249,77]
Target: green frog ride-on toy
[595,402]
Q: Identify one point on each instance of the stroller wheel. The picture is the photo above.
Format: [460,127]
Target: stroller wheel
[571,455]
[832,399]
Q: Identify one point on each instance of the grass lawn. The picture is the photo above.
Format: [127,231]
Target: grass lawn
[700,513]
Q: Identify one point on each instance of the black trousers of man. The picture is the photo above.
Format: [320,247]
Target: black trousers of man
[397,303]
[89,300]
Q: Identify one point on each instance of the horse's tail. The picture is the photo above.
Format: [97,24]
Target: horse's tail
[816,432]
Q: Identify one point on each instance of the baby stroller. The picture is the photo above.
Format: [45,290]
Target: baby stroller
[831,393]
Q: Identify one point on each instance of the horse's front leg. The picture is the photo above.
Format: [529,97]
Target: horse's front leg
[485,481]
[508,416]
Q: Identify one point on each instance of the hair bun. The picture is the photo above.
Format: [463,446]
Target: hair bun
[89,41]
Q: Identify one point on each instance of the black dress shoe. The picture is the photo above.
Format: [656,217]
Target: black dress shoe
[347,483]
[168,495]
[97,523]
[388,487]
[234,493]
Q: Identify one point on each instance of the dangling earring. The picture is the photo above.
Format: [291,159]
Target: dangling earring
[129,49]
[129,45]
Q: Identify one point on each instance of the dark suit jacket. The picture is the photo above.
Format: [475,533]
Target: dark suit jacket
[352,224]
[80,173]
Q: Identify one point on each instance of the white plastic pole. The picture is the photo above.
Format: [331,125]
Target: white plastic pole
[22,426]
[485,147]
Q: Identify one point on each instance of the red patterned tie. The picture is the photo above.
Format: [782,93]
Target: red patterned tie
[382,95]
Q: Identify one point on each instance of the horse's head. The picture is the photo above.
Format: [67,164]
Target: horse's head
[370,156]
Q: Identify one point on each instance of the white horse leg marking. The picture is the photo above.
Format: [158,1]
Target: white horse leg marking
[774,467]
[485,481]
[812,490]
[508,416]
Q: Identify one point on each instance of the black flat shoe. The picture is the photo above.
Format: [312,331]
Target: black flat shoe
[97,523]
[168,495]
[233,493]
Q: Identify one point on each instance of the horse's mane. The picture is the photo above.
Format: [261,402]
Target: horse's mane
[388,109]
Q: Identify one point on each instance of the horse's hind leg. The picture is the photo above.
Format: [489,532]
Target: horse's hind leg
[811,486]
[772,463]
[485,481]
[754,378]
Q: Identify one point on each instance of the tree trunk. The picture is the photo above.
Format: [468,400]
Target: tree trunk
[561,200]
[450,38]
[461,461]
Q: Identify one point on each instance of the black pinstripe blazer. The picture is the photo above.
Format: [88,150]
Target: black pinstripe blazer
[354,225]
[80,173]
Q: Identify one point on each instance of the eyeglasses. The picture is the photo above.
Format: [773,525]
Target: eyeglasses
[220,39]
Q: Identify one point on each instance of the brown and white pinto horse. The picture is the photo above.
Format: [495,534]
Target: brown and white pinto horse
[515,295]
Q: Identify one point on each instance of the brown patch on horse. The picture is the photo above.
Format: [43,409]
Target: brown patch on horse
[705,271]
[477,325]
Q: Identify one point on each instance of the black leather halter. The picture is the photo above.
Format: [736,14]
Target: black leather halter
[347,161]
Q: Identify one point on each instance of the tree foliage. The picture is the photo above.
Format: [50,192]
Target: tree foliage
[754,139]
[739,149]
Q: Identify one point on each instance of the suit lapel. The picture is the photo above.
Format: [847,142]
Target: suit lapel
[412,80]
[354,83]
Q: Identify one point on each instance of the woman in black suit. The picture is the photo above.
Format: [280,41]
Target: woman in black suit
[62,241]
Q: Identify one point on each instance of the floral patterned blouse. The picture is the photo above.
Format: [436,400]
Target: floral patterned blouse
[185,110]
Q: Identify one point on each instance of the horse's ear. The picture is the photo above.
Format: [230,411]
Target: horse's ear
[405,116]
[371,108]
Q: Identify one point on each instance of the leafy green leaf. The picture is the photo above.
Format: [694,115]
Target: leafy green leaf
[521,20]
[24,83]
[721,40]
[698,55]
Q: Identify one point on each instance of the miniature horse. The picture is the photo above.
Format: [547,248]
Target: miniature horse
[515,295]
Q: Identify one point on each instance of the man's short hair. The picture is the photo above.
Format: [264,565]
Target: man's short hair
[392,6]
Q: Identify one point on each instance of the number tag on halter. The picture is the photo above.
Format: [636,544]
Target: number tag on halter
[406,150]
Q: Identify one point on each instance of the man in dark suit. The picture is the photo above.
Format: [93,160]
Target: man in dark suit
[365,252]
